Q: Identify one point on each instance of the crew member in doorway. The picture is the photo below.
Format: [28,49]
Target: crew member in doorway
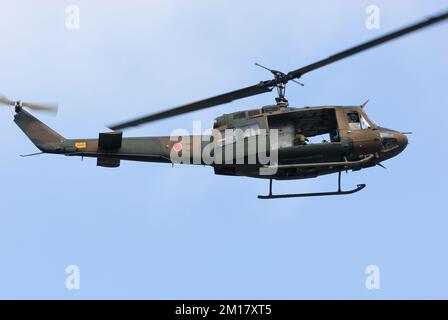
[300,138]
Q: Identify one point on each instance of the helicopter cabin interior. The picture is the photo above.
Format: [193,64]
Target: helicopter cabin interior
[305,126]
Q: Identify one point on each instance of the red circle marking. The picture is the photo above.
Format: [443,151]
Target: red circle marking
[177,147]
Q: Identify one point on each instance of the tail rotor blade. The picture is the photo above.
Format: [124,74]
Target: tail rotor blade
[6,101]
[43,107]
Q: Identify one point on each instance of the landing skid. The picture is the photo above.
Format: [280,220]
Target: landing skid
[358,188]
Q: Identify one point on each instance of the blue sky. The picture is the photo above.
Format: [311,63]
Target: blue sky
[153,231]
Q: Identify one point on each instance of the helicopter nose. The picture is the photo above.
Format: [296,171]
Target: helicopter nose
[393,143]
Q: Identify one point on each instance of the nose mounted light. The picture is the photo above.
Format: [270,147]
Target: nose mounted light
[388,140]
[391,140]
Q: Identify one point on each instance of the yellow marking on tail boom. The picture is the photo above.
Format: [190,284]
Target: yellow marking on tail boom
[80,145]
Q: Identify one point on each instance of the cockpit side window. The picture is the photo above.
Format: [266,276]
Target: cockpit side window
[357,121]
[354,120]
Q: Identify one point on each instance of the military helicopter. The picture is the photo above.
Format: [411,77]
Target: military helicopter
[354,140]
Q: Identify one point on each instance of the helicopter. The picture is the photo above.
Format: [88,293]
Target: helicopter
[354,141]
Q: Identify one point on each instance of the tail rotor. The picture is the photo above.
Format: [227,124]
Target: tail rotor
[40,107]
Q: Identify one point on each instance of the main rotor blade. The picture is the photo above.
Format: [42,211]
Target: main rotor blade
[366,45]
[267,86]
[262,87]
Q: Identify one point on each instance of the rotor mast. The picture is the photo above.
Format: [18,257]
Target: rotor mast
[279,82]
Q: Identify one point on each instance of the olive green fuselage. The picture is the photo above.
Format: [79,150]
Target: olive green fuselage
[341,137]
